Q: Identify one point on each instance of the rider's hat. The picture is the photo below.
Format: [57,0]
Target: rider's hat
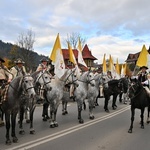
[143,67]
[19,61]
[2,60]
[44,60]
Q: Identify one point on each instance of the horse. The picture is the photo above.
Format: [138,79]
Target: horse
[42,80]
[139,100]
[85,89]
[111,88]
[55,95]
[10,107]
[125,82]
[98,82]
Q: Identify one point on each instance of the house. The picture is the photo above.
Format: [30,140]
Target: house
[87,56]
[132,58]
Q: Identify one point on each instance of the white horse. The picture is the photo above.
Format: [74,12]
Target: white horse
[84,90]
[54,96]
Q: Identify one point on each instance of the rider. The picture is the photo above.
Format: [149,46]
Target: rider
[4,79]
[144,78]
[109,75]
[18,69]
[43,65]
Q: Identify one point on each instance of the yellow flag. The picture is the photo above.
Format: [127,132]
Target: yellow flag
[104,64]
[117,68]
[57,46]
[71,55]
[143,57]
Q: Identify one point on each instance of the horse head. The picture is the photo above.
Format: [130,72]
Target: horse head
[89,78]
[135,88]
[26,84]
[43,79]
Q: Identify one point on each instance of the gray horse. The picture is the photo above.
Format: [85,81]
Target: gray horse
[55,95]
[10,107]
[85,90]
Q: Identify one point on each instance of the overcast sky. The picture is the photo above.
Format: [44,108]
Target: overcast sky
[116,27]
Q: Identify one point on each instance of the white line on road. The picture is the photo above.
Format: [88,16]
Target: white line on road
[51,137]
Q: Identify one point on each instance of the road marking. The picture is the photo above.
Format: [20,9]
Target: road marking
[59,134]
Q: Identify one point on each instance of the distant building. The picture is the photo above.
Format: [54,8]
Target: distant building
[132,58]
[87,56]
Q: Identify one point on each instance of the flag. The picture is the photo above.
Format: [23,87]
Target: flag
[143,58]
[104,65]
[55,48]
[112,67]
[73,60]
[117,70]
[80,57]
[123,70]
[57,58]
[71,55]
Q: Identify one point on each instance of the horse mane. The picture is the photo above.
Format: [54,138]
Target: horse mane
[113,82]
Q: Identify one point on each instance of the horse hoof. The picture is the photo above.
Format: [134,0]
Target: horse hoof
[148,122]
[22,132]
[63,113]
[106,110]
[129,131]
[44,119]
[52,126]
[27,121]
[47,117]
[81,121]
[8,142]
[92,117]
[66,112]
[15,139]
[114,108]
[32,131]
[96,104]
[56,124]
[142,127]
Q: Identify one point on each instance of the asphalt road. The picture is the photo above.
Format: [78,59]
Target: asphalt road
[108,131]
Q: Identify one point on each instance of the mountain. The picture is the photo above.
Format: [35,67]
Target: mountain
[33,60]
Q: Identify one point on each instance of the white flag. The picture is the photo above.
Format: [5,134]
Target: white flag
[59,64]
[80,57]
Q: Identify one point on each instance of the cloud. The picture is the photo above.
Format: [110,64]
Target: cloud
[111,26]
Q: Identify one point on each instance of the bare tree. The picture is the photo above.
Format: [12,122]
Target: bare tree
[26,42]
[73,39]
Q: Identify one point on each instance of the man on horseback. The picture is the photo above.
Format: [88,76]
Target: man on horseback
[4,79]
[144,78]
[43,66]
[18,69]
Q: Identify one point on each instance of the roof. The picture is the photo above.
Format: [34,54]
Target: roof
[85,52]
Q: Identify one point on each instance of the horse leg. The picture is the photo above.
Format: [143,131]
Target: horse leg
[106,103]
[120,97]
[114,106]
[148,118]
[7,119]
[32,131]
[96,101]
[1,118]
[91,104]
[13,122]
[132,119]
[45,111]
[21,116]
[84,105]
[79,113]
[64,107]
[142,118]
[52,117]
